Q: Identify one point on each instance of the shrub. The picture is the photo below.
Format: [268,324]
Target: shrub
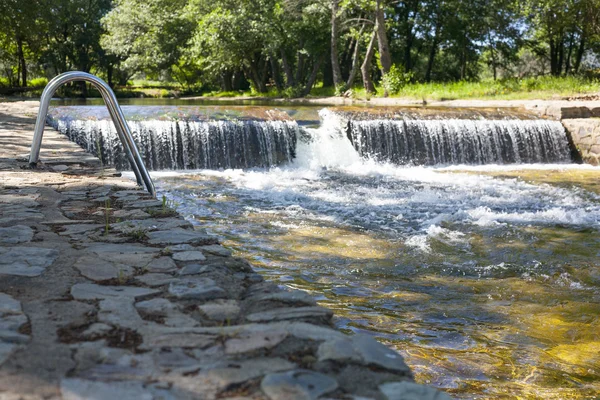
[38,82]
[396,79]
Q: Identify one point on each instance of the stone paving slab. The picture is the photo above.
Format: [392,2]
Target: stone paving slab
[101,300]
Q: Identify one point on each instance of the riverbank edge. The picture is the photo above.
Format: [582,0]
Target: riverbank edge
[108,293]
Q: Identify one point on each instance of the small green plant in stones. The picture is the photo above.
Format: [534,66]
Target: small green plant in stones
[137,234]
[121,277]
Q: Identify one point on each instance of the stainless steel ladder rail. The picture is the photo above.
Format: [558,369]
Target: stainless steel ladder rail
[110,100]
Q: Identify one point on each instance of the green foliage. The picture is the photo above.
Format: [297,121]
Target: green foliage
[38,82]
[396,79]
[281,47]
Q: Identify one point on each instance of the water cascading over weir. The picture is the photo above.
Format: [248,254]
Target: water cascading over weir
[247,137]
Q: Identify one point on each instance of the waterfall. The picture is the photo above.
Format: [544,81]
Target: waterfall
[238,141]
[459,141]
[189,144]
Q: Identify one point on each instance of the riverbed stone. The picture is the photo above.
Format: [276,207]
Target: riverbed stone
[26,261]
[79,229]
[189,256]
[155,279]
[79,389]
[221,310]
[97,269]
[180,236]
[198,289]
[195,269]
[130,214]
[287,313]
[12,319]
[161,264]
[216,250]
[411,391]
[90,291]
[16,234]
[293,297]
[254,341]
[299,384]
[362,349]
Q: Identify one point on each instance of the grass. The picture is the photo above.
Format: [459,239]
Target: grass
[545,87]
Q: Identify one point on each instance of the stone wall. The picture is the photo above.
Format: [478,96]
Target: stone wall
[584,135]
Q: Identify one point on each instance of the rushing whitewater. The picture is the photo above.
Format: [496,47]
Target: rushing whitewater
[453,141]
[222,144]
[189,144]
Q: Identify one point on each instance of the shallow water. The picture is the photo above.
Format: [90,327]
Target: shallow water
[488,286]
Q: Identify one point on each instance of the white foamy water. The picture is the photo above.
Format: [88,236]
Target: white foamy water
[329,181]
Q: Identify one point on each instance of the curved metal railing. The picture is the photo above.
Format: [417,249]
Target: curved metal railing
[135,160]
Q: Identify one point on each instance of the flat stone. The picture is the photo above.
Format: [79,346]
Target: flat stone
[189,256]
[178,339]
[183,247]
[26,261]
[144,204]
[162,264]
[129,192]
[299,384]
[195,269]
[6,350]
[134,214]
[410,391]
[103,248]
[293,297]
[287,313]
[97,269]
[163,308]
[216,250]
[20,200]
[362,349]
[199,289]
[155,280]
[242,371]
[255,341]
[221,310]
[90,291]
[119,311]
[9,306]
[60,168]
[96,330]
[79,229]
[149,225]
[180,236]
[79,389]
[16,234]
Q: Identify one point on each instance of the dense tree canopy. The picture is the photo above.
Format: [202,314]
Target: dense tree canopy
[291,44]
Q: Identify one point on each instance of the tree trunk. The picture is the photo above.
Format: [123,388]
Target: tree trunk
[226,81]
[300,69]
[313,76]
[569,53]
[289,75]
[580,51]
[561,54]
[335,63]
[21,61]
[384,47]
[432,52]
[366,65]
[275,72]
[354,70]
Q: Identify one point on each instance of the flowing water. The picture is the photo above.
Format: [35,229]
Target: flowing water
[489,286]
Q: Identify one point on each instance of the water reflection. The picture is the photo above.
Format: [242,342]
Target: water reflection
[489,287]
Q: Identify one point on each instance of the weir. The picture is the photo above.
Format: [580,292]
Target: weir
[268,138]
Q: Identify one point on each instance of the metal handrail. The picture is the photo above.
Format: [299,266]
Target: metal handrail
[135,160]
